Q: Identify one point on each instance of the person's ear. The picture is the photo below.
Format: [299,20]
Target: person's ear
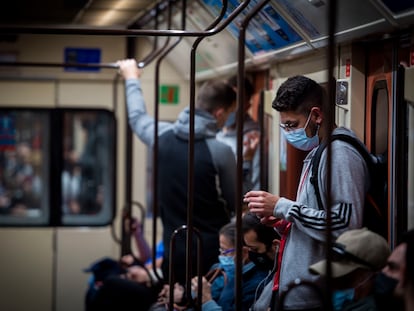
[245,254]
[317,115]
[218,113]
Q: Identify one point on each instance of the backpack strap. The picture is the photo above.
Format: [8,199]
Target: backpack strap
[317,158]
[314,177]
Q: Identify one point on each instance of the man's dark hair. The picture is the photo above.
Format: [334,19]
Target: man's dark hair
[265,234]
[248,86]
[298,94]
[215,94]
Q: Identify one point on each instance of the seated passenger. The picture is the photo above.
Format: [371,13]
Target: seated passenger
[263,243]
[114,283]
[393,283]
[218,283]
[221,297]
[358,255]
[116,287]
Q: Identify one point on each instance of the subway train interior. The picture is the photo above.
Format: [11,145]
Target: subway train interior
[62,101]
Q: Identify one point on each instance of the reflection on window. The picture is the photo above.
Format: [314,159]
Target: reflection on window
[87,175]
[56,157]
[23,167]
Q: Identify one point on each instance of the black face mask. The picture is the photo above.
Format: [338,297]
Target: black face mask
[384,293]
[261,260]
[384,285]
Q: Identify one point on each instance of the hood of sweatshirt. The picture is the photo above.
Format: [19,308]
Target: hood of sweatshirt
[205,125]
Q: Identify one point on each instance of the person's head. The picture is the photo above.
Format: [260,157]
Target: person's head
[300,103]
[357,256]
[218,98]
[354,250]
[261,241]
[248,90]
[397,267]
[227,239]
[248,93]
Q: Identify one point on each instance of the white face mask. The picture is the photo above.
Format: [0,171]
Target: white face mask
[298,138]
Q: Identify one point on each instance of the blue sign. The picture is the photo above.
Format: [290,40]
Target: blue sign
[86,56]
[267,31]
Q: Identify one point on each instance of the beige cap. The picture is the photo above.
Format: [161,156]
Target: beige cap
[367,246]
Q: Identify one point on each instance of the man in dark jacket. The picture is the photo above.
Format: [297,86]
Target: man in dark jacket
[214,166]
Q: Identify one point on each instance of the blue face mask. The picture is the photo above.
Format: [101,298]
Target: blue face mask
[340,297]
[231,119]
[226,262]
[298,138]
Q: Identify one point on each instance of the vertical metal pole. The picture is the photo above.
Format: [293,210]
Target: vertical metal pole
[330,123]
[125,233]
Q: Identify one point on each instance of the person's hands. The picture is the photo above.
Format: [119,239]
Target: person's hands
[164,295]
[127,260]
[138,274]
[250,143]
[205,291]
[128,69]
[262,204]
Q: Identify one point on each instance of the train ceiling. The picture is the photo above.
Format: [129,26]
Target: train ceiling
[282,29]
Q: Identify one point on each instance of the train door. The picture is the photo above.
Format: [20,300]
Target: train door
[385,125]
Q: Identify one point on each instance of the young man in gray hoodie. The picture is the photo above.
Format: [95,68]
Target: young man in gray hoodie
[300,102]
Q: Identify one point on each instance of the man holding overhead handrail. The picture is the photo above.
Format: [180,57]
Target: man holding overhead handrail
[214,166]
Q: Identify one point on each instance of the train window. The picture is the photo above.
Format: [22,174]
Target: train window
[24,173]
[56,157]
[380,118]
[88,167]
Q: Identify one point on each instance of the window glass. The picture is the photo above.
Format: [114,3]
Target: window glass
[57,167]
[88,167]
[24,169]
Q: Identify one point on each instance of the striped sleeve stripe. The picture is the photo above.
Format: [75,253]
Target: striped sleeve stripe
[340,220]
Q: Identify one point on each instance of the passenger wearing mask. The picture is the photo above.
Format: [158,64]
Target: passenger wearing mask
[393,284]
[357,256]
[301,103]
[218,283]
[262,243]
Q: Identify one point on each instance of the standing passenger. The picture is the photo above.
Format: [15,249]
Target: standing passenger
[214,166]
[228,135]
[300,102]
